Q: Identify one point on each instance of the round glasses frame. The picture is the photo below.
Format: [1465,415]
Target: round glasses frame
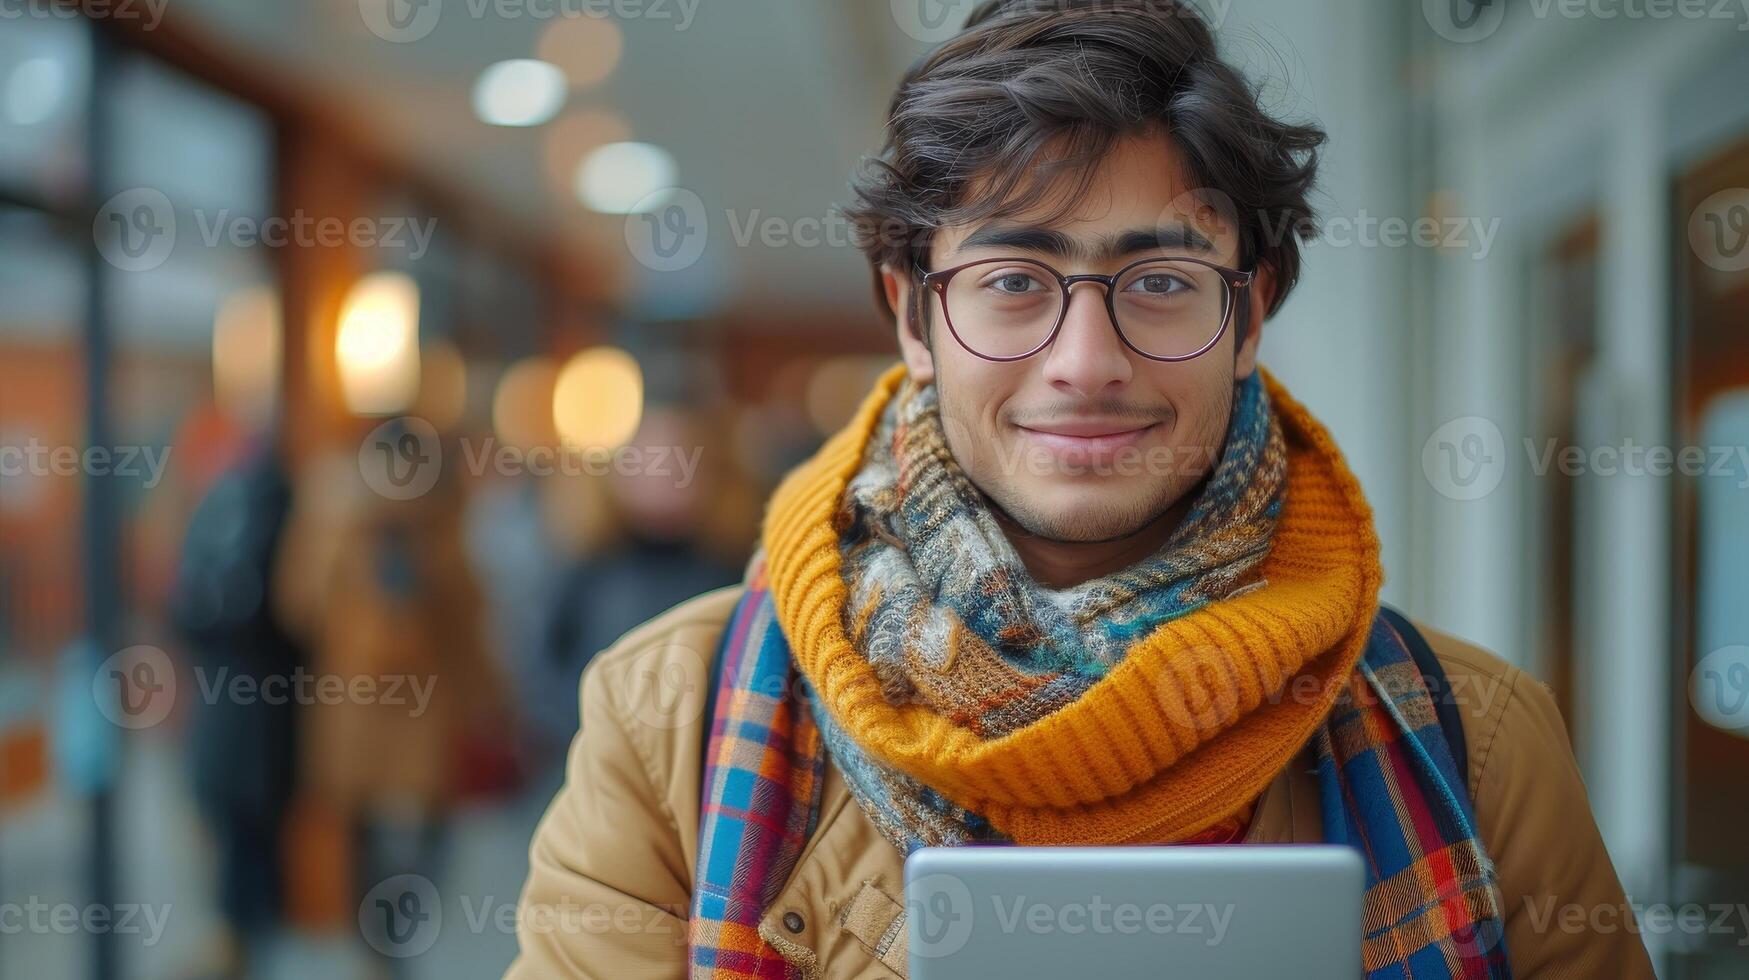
[1233,279]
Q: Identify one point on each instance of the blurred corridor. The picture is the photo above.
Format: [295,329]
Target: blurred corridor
[366,366]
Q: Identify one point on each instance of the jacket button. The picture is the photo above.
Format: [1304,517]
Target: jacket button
[793,922]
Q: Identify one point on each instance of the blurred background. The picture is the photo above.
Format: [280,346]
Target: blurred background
[368,365]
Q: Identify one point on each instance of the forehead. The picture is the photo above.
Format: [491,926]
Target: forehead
[1140,186]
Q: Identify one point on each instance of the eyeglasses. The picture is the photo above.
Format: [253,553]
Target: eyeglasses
[1166,309]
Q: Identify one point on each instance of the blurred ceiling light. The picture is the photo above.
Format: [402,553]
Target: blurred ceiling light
[377,346]
[620,178]
[520,92]
[598,399]
[573,135]
[522,404]
[443,385]
[247,340]
[34,90]
[587,49]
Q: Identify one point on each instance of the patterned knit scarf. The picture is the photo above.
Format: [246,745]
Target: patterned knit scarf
[949,618]
[1144,707]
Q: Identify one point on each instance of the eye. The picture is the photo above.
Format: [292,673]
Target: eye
[1013,282]
[1157,284]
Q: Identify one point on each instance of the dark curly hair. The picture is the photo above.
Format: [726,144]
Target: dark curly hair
[1075,77]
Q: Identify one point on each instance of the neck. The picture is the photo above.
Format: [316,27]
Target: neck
[1058,564]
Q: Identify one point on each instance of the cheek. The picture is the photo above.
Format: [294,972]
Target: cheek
[1185,385]
[1200,393]
[973,393]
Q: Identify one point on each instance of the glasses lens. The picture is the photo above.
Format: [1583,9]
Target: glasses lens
[1005,307]
[1170,307]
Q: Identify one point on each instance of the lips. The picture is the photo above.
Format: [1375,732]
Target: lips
[1087,435]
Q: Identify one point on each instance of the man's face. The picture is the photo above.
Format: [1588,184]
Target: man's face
[1087,440]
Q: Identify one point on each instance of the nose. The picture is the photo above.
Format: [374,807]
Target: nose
[1087,357]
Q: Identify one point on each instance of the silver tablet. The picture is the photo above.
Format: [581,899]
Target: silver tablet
[1202,912]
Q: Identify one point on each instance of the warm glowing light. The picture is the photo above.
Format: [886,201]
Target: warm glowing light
[521,92]
[522,404]
[377,346]
[598,399]
[586,49]
[620,178]
[573,136]
[247,339]
[443,385]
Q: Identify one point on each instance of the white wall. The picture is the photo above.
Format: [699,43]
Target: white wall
[1340,344]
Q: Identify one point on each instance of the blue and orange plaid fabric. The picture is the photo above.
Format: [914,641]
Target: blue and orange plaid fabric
[1389,788]
[1387,781]
[764,768]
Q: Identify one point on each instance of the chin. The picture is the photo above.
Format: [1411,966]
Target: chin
[1082,514]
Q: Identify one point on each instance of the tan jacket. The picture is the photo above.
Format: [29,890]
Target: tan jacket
[610,879]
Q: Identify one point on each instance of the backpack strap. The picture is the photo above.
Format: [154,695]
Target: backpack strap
[1438,687]
[714,682]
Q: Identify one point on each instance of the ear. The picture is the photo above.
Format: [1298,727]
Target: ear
[1262,293]
[901,292]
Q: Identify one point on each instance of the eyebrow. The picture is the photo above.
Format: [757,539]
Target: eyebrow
[1107,247]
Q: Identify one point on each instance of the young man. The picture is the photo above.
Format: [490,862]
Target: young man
[1079,572]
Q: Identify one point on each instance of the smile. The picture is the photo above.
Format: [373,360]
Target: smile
[1087,436]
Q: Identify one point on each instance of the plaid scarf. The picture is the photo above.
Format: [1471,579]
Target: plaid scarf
[1432,905]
